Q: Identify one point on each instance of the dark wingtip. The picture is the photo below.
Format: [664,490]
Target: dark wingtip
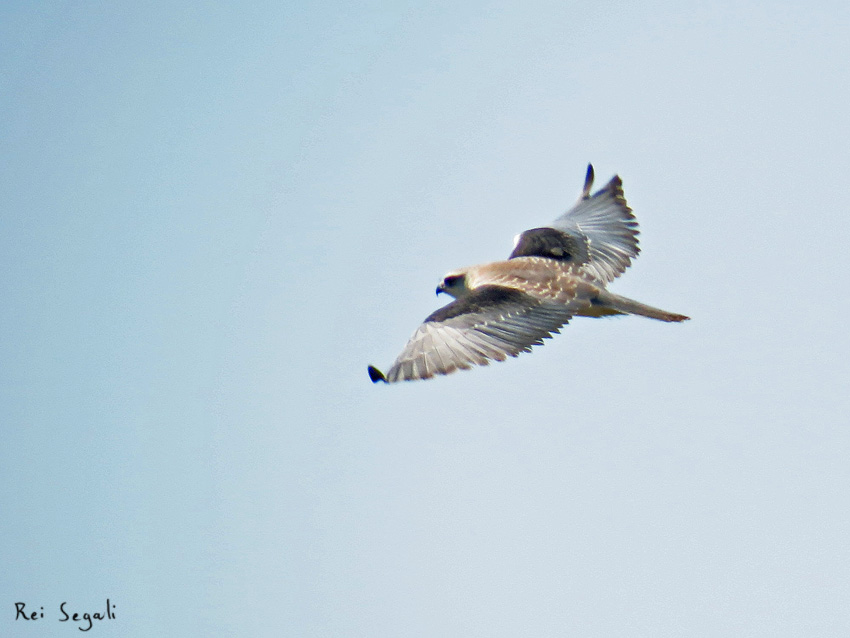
[376,375]
[588,182]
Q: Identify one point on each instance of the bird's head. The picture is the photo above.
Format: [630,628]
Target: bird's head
[454,284]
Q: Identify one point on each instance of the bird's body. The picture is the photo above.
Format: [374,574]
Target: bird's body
[545,279]
[554,273]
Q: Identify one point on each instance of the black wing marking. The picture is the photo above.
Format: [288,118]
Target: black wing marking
[553,244]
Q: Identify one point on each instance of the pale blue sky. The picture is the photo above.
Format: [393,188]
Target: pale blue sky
[213,218]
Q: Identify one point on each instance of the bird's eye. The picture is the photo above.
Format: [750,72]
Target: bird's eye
[452,281]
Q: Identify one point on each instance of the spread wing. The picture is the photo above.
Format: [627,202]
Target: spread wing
[599,232]
[490,323]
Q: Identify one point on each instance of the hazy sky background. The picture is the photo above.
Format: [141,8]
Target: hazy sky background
[214,217]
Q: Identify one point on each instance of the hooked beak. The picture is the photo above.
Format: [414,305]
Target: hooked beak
[440,289]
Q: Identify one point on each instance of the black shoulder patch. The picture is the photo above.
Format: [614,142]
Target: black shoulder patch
[483,298]
[547,242]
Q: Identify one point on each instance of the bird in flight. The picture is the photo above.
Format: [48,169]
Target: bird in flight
[553,274]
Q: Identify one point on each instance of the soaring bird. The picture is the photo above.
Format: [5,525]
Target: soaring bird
[553,274]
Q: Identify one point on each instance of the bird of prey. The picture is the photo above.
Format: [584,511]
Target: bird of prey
[553,274]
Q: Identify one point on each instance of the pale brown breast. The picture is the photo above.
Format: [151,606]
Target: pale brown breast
[538,276]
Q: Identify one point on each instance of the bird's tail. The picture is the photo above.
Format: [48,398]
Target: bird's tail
[609,303]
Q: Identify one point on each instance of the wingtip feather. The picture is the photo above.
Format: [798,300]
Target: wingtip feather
[376,375]
[588,182]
